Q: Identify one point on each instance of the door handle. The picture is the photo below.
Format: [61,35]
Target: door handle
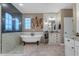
[68,40]
[72,47]
[65,32]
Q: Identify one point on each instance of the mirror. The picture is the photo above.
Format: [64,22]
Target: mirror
[51,22]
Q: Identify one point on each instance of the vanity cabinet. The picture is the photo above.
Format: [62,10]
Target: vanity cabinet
[68,37]
[76,26]
[76,48]
[69,46]
[55,38]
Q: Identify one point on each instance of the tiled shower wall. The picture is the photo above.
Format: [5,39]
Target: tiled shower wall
[10,41]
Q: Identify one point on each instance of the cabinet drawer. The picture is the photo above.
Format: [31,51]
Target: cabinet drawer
[77,43]
[69,51]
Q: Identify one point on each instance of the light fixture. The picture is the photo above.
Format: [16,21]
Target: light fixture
[21,4]
[49,24]
[46,23]
[51,18]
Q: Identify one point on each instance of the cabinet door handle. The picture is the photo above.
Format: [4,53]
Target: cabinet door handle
[72,38]
[72,47]
[65,32]
[68,40]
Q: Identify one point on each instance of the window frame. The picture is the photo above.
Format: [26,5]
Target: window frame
[9,21]
[28,25]
[14,12]
[16,19]
[13,23]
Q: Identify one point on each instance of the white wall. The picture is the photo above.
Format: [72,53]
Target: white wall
[10,41]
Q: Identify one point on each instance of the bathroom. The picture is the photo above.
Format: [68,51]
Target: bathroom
[32,25]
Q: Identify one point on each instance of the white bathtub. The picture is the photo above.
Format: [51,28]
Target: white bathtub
[31,38]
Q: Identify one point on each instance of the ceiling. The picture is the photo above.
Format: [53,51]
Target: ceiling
[42,7]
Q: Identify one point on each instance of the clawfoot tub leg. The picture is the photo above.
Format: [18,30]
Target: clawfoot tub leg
[37,42]
[24,43]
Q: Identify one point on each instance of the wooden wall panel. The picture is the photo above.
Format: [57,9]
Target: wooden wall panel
[37,23]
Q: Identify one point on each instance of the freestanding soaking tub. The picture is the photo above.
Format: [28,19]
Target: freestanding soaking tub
[31,38]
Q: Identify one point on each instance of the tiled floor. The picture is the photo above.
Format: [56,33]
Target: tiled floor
[41,50]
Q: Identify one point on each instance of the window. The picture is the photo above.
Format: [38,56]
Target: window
[8,22]
[16,24]
[27,23]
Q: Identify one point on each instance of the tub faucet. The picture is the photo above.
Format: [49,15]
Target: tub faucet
[32,34]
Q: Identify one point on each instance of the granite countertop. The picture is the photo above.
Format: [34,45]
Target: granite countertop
[74,37]
[71,37]
[54,32]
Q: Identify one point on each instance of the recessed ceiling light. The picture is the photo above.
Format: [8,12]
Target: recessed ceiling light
[21,4]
